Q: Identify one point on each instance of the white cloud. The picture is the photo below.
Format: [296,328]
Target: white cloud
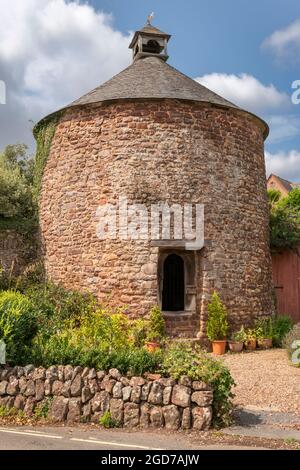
[284,164]
[52,52]
[246,91]
[283,127]
[285,42]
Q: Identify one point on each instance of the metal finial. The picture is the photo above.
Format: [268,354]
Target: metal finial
[150,18]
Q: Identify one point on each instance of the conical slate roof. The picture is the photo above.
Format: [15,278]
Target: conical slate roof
[152,78]
[148,78]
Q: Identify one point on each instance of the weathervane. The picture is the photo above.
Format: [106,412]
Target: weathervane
[150,18]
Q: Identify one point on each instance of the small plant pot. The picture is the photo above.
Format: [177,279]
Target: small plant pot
[251,344]
[152,346]
[236,346]
[219,347]
[265,343]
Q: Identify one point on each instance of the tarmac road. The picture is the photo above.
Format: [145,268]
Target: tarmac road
[68,438]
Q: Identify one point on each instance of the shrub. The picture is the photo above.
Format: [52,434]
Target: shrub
[53,300]
[157,325]
[281,326]
[17,324]
[292,343]
[138,332]
[100,339]
[182,359]
[217,325]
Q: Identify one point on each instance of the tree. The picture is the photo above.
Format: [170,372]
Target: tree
[292,201]
[284,220]
[16,176]
[17,155]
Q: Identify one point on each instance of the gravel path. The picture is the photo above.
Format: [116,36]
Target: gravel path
[265,380]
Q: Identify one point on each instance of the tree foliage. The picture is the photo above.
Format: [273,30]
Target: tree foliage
[284,219]
[16,177]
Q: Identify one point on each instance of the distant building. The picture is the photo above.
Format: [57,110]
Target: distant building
[280,184]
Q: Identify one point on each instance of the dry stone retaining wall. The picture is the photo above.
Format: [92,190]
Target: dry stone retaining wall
[76,394]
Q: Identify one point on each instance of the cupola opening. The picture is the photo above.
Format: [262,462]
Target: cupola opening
[152,47]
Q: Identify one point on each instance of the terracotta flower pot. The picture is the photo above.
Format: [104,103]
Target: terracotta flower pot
[219,347]
[236,346]
[265,343]
[152,346]
[251,344]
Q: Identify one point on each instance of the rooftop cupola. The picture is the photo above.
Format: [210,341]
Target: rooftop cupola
[150,41]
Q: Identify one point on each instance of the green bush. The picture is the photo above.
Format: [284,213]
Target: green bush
[157,325]
[138,332]
[18,324]
[183,359]
[281,326]
[217,325]
[54,300]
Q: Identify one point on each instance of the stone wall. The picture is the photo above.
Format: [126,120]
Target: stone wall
[83,395]
[16,251]
[150,152]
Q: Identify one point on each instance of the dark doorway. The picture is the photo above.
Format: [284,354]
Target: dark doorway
[173,284]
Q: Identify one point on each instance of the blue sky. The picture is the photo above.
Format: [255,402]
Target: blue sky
[53,51]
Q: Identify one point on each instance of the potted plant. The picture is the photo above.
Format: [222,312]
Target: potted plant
[157,330]
[264,328]
[238,338]
[251,339]
[217,325]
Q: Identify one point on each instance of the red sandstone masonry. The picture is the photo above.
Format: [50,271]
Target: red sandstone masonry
[171,151]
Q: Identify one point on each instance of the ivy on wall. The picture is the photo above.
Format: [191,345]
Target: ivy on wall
[44,133]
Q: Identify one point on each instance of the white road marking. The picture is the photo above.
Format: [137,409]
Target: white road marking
[115,444]
[29,433]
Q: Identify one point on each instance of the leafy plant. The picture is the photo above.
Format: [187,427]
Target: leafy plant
[217,324]
[108,422]
[252,334]
[239,336]
[157,325]
[181,359]
[264,328]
